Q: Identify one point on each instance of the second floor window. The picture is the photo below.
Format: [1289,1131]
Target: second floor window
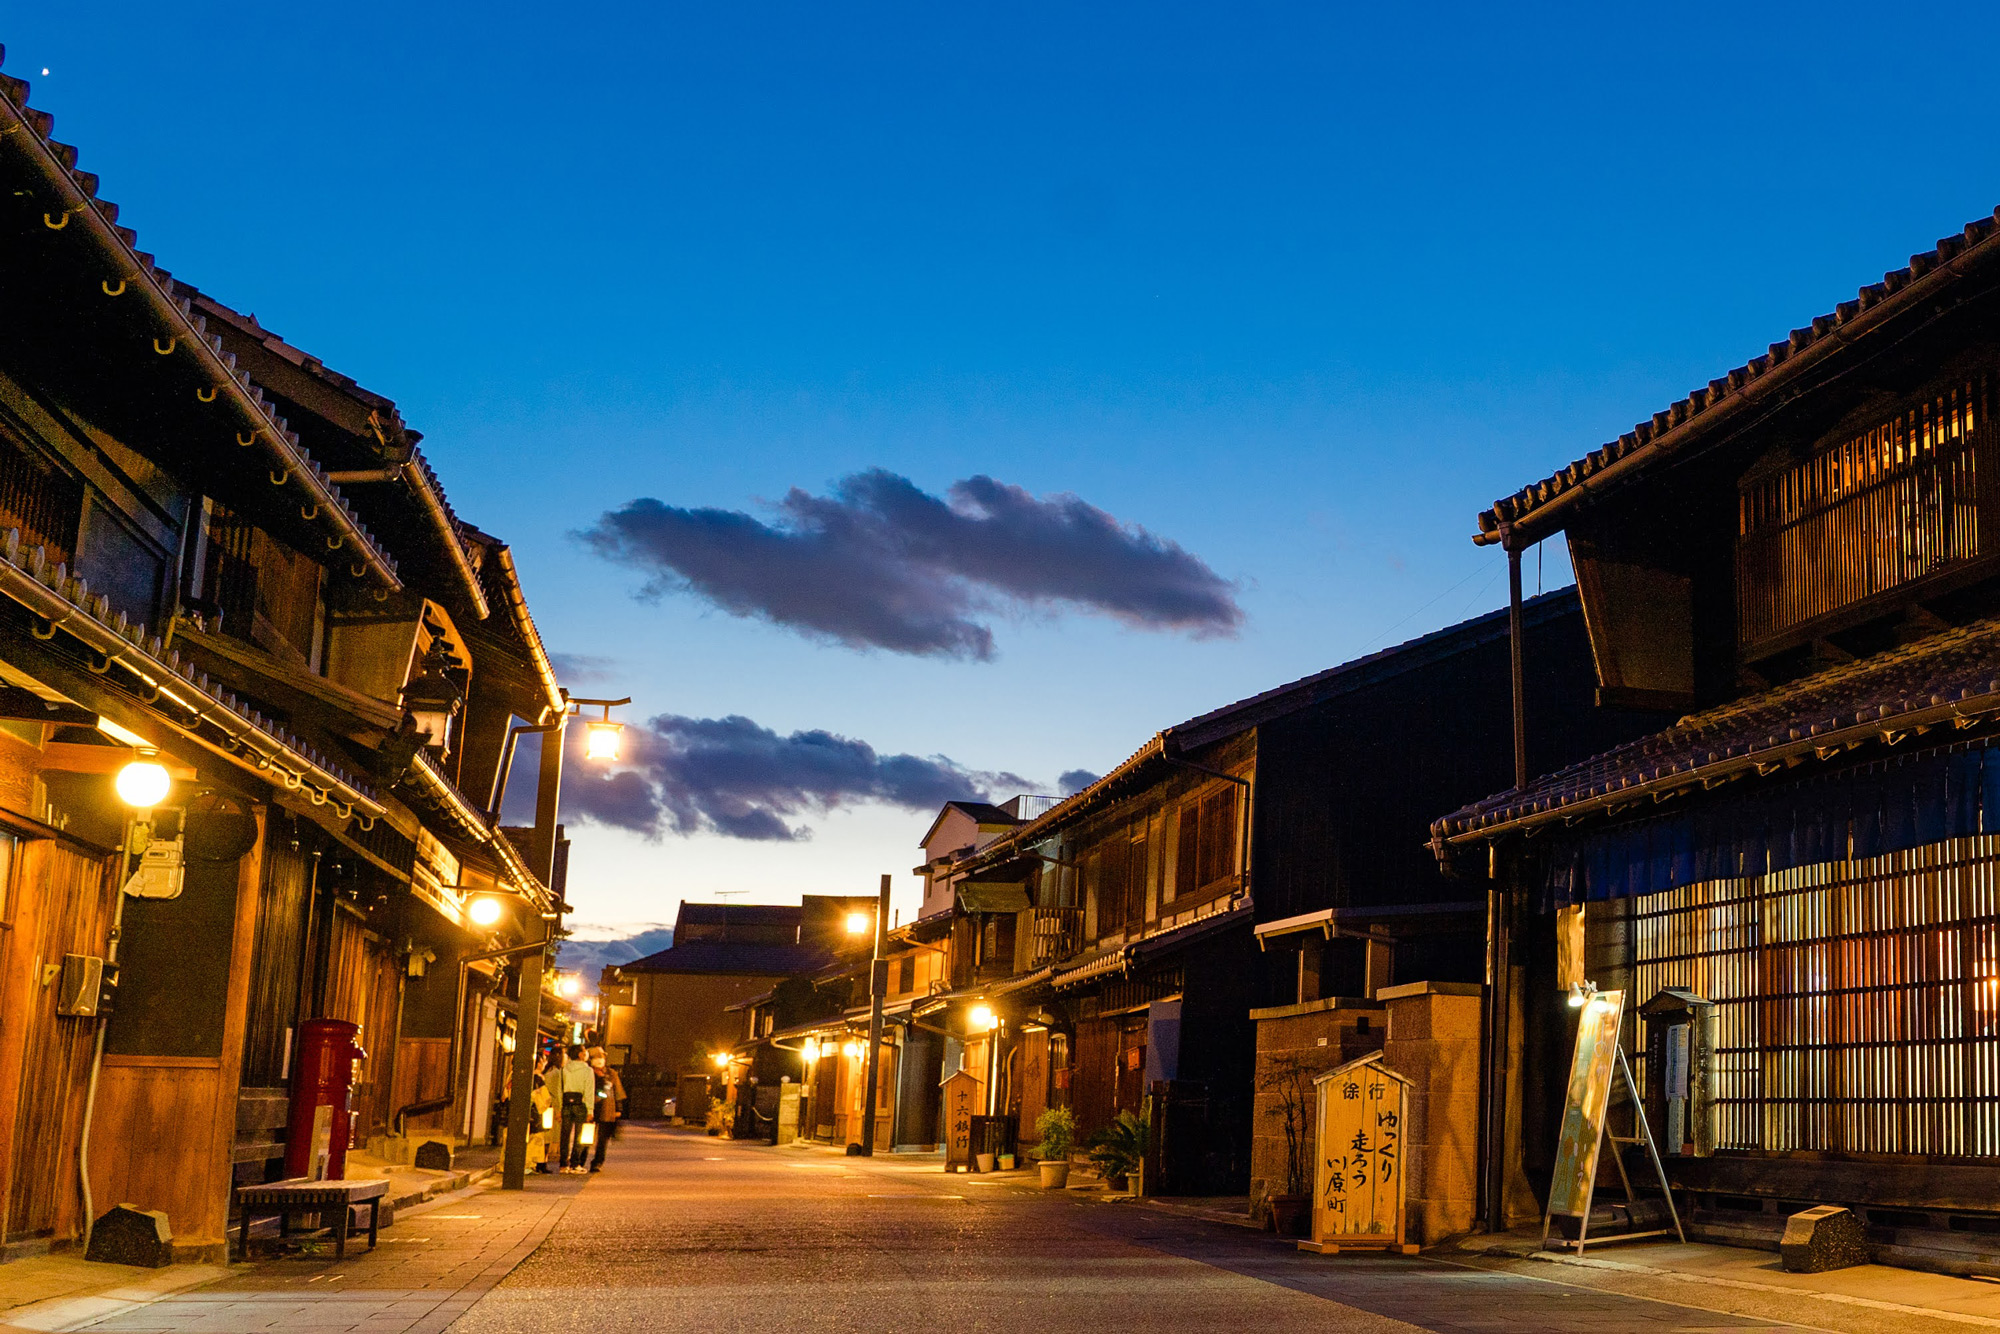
[265,592]
[1205,851]
[1868,513]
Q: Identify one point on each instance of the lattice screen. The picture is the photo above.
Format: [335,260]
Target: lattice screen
[1858,1003]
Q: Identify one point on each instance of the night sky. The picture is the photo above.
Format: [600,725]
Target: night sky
[913,402]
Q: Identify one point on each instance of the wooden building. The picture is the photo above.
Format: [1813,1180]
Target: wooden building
[1799,560]
[1267,856]
[215,548]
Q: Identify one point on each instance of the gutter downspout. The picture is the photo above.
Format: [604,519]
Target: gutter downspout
[97,1049]
[1499,998]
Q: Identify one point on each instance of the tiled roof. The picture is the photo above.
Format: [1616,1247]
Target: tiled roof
[73,200]
[1235,719]
[1949,678]
[1756,380]
[731,957]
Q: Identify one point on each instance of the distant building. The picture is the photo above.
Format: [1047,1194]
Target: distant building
[668,1014]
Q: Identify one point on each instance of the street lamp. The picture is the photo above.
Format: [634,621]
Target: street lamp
[721,1060]
[541,863]
[143,782]
[983,1019]
[600,735]
[485,910]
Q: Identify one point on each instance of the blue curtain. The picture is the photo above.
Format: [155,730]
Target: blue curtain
[1865,811]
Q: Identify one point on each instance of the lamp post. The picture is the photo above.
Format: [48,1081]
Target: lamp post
[878,987]
[541,863]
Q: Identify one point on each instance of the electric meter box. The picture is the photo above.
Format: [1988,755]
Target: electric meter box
[87,986]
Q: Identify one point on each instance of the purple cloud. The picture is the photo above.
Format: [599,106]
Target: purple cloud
[731,776]
[880,563]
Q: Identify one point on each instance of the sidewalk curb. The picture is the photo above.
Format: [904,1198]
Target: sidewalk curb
[1720,1281]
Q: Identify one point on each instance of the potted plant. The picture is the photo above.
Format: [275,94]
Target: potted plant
[1056,1129]
[1119,1150]
[1291,1079]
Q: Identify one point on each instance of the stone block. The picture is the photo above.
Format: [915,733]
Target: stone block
[434,1155]
[1827,1237]
[129,1235]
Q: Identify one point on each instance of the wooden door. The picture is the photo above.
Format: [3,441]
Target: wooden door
[1094,1076]
[61,903]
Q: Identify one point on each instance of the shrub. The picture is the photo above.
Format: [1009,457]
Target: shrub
[1056,1129]
[1120,1147]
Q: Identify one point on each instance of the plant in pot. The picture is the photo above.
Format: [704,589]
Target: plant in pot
[1056,1129]
[1291,1080]
[1119,1149]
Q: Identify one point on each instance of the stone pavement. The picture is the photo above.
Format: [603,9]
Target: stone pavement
[683,1232]
[436,1261]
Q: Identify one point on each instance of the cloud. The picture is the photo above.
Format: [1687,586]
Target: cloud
[732,777]
[880,563]
[1072,781]
[583,667]
[589,957]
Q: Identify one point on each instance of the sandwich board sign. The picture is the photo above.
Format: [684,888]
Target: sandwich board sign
[1363,1111]
[1586,1127]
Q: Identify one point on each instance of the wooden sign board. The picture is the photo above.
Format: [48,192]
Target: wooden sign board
[1363,1110]
[960,1103]
[1588,1102]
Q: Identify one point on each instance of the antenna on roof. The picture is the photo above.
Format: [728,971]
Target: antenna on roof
[725,893]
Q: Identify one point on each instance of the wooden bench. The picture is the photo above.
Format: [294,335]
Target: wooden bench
[285,1198]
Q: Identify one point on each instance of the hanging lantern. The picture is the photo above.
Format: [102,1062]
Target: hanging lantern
[600,739]
[432,699]
[587,1135]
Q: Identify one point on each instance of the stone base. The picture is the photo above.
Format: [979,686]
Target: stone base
[129,1235]
[432,1155]
[1828,1237]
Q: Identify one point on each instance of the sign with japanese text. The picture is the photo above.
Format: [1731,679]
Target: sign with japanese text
[1588,1101]
[961,1102]
[1358,1177]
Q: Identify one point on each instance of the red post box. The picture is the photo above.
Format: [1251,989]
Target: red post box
[322,1082]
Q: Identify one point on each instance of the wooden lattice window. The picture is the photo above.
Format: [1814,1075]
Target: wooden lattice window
[1857,1003]
[45,503]
[1205,852]
[1893,505]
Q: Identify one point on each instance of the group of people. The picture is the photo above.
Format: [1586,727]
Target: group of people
[575,1088]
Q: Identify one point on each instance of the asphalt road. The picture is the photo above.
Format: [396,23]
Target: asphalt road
[683,1232]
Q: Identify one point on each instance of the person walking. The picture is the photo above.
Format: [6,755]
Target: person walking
[579,1092]
[610,1105]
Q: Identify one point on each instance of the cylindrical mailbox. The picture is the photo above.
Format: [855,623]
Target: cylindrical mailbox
[322,1081]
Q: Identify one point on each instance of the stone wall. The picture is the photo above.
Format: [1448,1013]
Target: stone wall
[1434,1043]
[1320,1035]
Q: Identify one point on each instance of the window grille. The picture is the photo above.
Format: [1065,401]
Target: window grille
[1857,1002]
[1893,505]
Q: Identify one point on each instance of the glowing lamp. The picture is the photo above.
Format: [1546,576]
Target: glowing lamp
[722,1060]
[485,910]
[144,782]
[548,1118]
[586,1133]
[853,1050]
[811,1050]
[859,923]
[569,985]
[983,1019]
[600,739]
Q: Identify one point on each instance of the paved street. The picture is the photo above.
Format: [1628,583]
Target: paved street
[683,1232]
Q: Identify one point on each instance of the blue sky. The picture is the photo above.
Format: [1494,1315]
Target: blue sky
[1297,289]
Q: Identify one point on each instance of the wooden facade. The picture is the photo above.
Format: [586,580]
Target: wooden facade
[181,571]
[1810,848]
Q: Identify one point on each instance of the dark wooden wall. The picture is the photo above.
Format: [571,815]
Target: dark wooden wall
[1347,789]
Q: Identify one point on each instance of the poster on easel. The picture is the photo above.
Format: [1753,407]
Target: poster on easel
[1586,1128]
[1363,1114]
[1587,1103]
